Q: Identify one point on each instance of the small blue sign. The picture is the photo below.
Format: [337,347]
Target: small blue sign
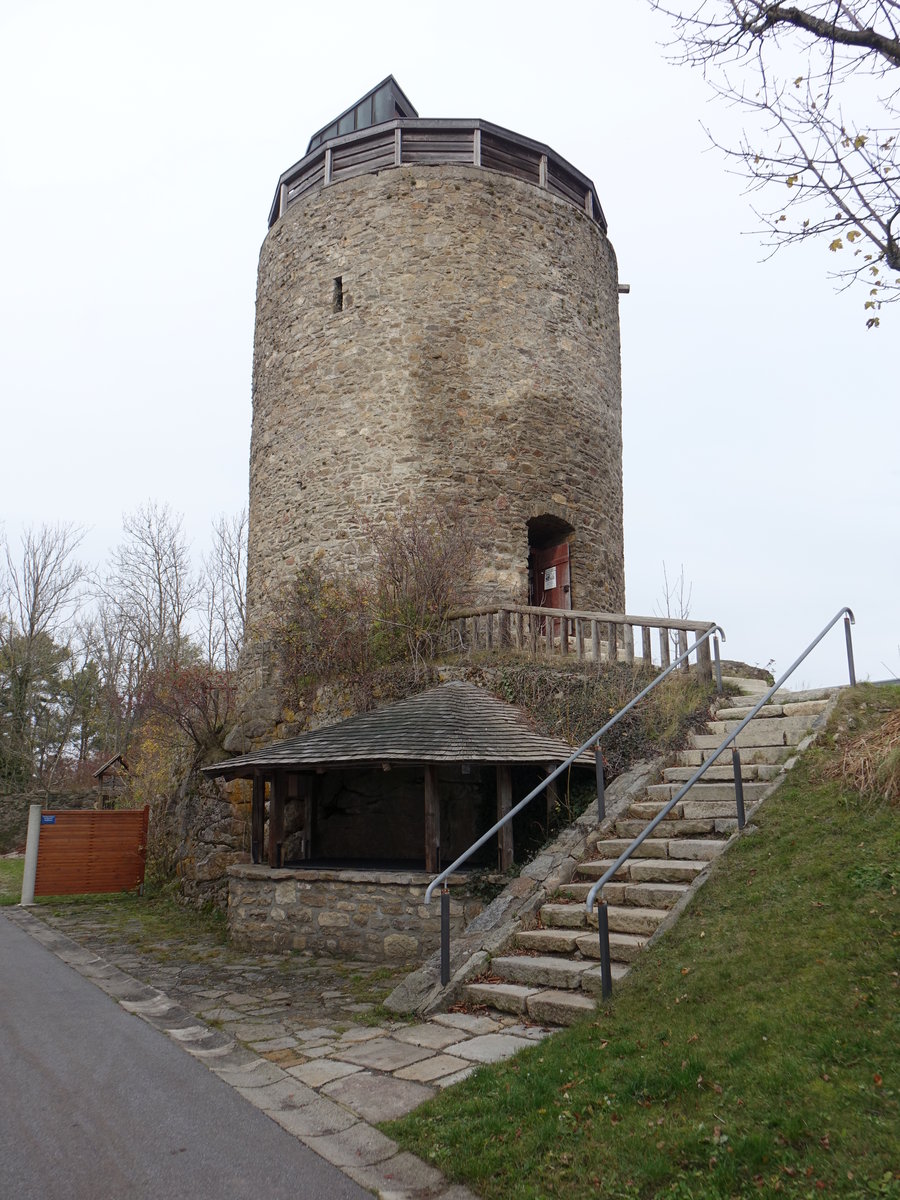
[48,819]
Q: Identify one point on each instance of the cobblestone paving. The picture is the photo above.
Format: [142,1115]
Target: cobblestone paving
[290,1033]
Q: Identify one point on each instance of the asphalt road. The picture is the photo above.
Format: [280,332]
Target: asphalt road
[97,1105]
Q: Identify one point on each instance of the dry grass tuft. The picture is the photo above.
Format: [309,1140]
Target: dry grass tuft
[870,762]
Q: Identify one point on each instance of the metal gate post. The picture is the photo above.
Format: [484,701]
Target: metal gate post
[605,962]
[738,785]
[445,935]
[601,784]
[849,638]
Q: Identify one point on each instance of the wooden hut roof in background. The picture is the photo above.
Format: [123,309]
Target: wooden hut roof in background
[116,758]
[455,722]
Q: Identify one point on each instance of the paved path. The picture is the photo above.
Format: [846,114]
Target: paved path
[324,1083]
[96,1106]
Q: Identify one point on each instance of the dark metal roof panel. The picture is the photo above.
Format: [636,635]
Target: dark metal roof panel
[455,722]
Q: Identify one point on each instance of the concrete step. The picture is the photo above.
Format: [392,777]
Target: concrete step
[623,947]
[542,971]
[704,849]
[563,916]
[505,997]
[646,870]
[793,729]
[700,808]
[750,772]
[766,735]
[548,941]
[631,919]
[592,979]
[640,895]
[751,755]
[800,708]
[629,828]
[560,1008]
[647,809]
[653,847]
[706,791]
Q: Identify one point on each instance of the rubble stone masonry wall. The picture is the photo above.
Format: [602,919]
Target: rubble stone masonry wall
[371,915]
[468,358]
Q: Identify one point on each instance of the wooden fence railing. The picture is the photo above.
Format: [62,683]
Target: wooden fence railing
[584,635]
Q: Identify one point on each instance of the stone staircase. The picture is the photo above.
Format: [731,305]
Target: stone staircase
[551,973]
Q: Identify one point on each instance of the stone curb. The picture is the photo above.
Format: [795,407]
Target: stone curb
[332,1131]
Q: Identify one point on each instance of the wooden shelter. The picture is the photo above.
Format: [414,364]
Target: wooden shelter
[417,780]
[111,781]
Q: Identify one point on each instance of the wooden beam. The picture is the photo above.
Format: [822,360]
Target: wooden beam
[277,790]
[257,818]
[504,804]
[432,820]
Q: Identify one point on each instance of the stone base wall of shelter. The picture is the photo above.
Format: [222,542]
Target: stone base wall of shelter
[369,915]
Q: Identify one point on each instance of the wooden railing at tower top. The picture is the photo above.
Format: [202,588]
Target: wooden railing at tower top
[436,142]
[596,636]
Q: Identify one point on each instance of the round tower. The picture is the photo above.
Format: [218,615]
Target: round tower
[437,321]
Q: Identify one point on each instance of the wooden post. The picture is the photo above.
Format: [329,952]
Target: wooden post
[277,789]
[432,821]
[520,631]
[612,652]
[704,661]
[628,633]
[646,648]
[579,638]
[682,648]
[504,804]
[257,818]
[304,791]
[664,658]
[489,618]
[564,635]
[595,639]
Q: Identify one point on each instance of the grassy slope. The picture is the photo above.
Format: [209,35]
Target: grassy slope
[754,1051]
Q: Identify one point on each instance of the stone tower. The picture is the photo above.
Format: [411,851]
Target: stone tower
[437,321]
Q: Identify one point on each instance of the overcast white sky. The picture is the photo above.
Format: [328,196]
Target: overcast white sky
[140,147]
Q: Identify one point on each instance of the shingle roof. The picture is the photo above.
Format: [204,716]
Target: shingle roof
[455,722]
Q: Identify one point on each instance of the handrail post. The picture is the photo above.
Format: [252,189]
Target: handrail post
[738,784]
[605,961]
[445,935]
[718,659]
[849,638]
[601,784]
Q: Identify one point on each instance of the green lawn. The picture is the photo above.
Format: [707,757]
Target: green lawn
[11,871]
[755,1049]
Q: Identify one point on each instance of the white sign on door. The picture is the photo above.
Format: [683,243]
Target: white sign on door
[549,579]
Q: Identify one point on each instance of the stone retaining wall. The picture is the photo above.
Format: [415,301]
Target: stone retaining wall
[369,915]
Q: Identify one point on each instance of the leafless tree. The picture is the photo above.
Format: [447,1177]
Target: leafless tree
[224,587]
[818,82]
[153,587]
[40,593]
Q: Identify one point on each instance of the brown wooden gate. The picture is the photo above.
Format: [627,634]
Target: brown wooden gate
[550,583]
[85,851]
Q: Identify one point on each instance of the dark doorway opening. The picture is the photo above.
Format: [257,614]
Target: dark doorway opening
[549,566]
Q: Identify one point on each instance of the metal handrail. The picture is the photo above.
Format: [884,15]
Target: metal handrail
[592,740]
[591,899]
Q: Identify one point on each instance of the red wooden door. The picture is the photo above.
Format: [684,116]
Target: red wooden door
[550,583]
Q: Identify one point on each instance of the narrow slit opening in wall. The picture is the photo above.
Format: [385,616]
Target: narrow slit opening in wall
[337,295]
